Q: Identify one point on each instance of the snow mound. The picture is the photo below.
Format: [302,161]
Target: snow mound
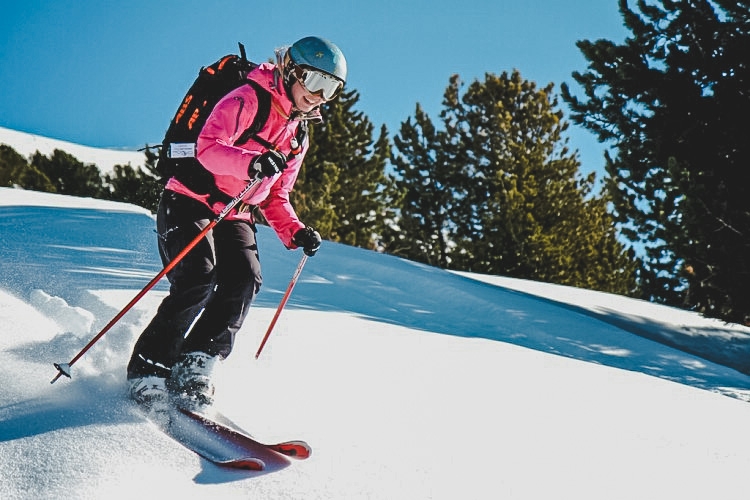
[75,320]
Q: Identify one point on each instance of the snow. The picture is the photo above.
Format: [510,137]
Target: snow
[408,381]
[27,144]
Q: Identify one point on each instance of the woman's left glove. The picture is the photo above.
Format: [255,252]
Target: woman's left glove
[309,239]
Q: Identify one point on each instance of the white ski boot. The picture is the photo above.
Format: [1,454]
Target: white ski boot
[191,380]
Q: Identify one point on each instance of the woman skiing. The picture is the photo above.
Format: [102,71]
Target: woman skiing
[212,287]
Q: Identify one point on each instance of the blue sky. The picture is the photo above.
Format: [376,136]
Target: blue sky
[110,74]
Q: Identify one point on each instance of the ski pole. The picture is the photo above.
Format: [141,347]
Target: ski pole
[284,299]
[64,368]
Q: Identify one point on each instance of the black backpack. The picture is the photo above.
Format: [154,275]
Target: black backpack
[178,150]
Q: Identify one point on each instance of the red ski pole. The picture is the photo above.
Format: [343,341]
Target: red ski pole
[284,299]
[64,368]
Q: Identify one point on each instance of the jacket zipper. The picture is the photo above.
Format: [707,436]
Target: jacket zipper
[239,112]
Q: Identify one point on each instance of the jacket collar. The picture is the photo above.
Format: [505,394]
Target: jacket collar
[269,77]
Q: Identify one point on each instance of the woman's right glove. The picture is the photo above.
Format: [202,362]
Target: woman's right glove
[268,164]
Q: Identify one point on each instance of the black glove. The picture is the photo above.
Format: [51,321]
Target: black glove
[268,164]
[309,239]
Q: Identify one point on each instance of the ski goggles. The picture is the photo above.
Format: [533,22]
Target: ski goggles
[318,83]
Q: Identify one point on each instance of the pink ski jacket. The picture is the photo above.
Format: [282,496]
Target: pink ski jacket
[229,164]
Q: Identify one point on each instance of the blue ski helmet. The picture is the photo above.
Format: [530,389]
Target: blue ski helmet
[319,54]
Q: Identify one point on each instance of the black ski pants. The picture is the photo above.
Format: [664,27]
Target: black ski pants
[211,288]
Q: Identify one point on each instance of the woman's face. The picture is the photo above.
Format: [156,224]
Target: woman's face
[304,100]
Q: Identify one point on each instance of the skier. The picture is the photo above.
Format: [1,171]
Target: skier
[214,285]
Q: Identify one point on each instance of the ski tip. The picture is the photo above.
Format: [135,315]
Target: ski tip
[298,450]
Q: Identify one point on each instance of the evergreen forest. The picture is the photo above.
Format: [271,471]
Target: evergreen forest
[492,185]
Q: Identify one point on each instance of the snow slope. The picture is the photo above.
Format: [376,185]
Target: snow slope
[409,382]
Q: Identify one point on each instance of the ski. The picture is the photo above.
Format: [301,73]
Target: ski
[210,417]
[214,437]
[206,442]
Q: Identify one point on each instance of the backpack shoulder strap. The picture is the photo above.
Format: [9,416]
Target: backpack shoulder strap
[261,115]
[260,119]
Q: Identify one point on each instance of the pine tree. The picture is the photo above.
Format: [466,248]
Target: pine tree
[535,216]
[139,186]
[68,175]
[341,185]
[15,170]
[11,162]
[672,101]
[497,191]
[426,177]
